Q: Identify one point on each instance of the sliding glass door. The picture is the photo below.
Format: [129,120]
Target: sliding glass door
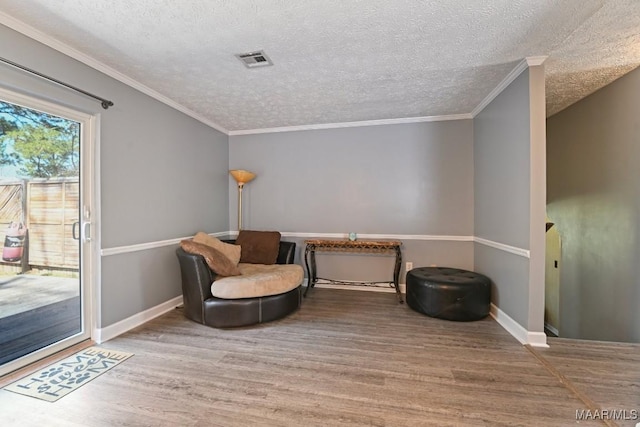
[45,227]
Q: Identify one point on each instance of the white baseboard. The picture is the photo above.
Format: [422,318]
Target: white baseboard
[354,287]
[535,339]
[118,328]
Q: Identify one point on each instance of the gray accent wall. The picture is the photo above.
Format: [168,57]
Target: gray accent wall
[133,282]
[594,200]
[509,176]
[408,179]
[510,275]
[163,174]
[502,169]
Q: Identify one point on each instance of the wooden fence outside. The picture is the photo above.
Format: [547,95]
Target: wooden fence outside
[48,208]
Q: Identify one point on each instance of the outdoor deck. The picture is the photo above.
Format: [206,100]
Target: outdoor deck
[36,311]
[20,293]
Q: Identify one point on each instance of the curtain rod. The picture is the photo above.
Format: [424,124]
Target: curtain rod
[105,102]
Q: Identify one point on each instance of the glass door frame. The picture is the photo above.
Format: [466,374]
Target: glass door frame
[89,235]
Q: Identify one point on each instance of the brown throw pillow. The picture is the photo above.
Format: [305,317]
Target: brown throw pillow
[215,259]
[259,247]
[230,251]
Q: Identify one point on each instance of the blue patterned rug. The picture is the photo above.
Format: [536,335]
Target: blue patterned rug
[61,378]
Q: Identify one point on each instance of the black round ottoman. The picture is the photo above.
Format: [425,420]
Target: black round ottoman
[449,293]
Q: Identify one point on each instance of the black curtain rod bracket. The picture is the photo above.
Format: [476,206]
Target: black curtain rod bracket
[104,102]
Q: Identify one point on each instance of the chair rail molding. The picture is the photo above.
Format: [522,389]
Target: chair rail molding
[503,247]
[303,235]
[151,245]
[447,238]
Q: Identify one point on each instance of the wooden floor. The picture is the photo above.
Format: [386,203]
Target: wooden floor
[607,373]
[345,358]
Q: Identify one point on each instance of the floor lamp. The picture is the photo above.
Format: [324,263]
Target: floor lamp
[241,177]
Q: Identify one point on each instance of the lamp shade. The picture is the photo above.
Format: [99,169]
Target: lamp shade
[242,176]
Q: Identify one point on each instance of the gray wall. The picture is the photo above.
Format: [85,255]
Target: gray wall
[508,203]
[407,179]
[594,199]
[501,165]
[163,174]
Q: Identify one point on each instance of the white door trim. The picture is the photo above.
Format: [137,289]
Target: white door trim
[89,125]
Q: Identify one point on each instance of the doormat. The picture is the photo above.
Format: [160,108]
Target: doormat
[61,378]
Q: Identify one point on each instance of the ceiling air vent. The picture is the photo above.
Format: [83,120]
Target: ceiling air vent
[254,59]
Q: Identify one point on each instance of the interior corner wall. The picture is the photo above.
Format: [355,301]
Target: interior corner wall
[594,199]
[413,180]
[502,197]
[163,174]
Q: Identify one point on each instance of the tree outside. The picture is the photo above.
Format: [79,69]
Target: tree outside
[36,144]
[39,191]
[7,158]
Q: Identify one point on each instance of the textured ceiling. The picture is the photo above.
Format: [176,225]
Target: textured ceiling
[343,60]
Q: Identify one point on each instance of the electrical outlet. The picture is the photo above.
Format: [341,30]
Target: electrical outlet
[408,266]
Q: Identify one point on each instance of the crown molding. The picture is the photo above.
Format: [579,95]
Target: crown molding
[352,124]
[527,62]
[533,61]
[67,50]
[513,74]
